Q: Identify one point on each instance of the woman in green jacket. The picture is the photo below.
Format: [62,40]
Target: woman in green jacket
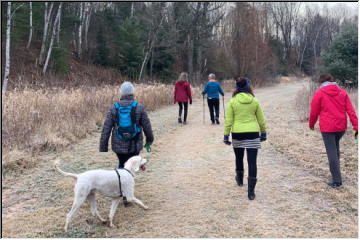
[245,120]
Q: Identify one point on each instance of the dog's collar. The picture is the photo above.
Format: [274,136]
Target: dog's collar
[128,171]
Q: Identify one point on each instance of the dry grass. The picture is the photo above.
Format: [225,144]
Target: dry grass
[304,96]
[186,181]
[38,120]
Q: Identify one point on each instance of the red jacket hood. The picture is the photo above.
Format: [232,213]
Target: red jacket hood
[331,90]
[181,83]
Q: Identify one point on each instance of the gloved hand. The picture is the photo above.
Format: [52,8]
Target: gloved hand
[263,136]
[148,147]
[190,101]
[355,134]
[312,129]
[226,140]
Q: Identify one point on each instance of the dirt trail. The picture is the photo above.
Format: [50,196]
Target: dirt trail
[189,186]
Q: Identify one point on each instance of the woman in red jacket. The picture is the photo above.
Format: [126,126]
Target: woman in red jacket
[332,103]
[182,95]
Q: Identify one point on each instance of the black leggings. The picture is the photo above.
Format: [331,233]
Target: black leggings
[185,109]
[124,157]
[213,104]
[251,159]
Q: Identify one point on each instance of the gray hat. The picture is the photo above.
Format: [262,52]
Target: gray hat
[212,76]
[127,89]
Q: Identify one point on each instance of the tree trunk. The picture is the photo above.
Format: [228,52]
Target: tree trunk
[87,24]
[47,15]
[132,10]
[80,30]
[31,25]
[58,31]
[52,38]
[190,57]
[143,64]
[7,51]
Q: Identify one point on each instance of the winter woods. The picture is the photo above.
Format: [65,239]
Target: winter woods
[157,40]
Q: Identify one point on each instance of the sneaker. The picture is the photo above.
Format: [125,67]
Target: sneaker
[217,121]
[184,122]
[334,184]
[179,120]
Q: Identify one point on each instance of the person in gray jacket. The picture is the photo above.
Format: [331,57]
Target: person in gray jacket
[125,149]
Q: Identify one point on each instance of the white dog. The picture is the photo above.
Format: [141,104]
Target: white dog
[105,182]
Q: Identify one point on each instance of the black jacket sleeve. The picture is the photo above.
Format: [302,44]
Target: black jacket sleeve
[146,126]
[107,128]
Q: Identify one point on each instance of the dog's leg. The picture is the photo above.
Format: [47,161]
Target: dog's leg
[78,200]
[139,202]
[114,205]
[92,201]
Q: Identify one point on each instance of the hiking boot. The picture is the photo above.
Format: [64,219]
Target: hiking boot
[217,121]
[334,184]
[239,178]
[179,120]
[251,188]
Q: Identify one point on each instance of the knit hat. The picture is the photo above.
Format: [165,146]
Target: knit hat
[243,85]
[127,89]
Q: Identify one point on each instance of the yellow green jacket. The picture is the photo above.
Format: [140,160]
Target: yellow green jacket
[244,114]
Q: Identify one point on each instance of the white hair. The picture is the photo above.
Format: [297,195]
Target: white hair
[212,76]
[183,77]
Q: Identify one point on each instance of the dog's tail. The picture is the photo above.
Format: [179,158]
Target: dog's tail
[56,166]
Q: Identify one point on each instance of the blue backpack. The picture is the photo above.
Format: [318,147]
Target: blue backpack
[126,128]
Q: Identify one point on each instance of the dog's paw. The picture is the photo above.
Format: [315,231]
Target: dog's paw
[112,225]
[146,207]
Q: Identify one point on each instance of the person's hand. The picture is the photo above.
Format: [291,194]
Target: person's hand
[190,101]
[226,140]
[312,129]
[148,147]
[263,136]
[355,134]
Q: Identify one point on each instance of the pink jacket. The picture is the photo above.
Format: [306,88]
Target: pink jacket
[182,92]
[332,103]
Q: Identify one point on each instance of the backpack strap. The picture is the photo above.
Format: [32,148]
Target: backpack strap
[133,111]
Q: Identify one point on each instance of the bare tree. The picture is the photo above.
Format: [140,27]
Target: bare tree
[10,16]
[153,32]
[7,47]
[47,14]
[31,25]
[54,29]
[285,15]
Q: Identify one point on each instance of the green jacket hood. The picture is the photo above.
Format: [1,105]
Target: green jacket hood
[244,98]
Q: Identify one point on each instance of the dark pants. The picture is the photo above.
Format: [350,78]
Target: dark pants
[332,145]
[124,157]
[181,104]
[213,104]
[251,159]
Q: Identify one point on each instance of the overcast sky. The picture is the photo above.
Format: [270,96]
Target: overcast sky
[350,7]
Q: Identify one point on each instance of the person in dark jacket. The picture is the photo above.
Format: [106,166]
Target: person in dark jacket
[212,89]
[126,149]
[332,104]
[182,95]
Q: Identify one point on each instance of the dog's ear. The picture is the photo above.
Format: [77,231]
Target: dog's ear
[136,163]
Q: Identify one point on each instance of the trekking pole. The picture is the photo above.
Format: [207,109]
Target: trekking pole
[203,109]
[224,106]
